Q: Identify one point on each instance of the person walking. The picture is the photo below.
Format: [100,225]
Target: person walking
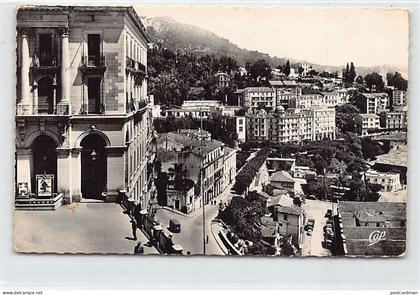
[134,228]
[138,249]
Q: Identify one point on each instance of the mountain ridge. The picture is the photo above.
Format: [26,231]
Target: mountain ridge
[186,37]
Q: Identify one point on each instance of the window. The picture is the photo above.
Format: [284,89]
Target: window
[45,50]
[285,217]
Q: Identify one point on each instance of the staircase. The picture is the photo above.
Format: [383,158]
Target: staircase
[24,203]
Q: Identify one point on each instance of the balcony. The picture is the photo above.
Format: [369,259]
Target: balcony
[137,69]
[93,64]
[89,109]
[45,64]
[42,110]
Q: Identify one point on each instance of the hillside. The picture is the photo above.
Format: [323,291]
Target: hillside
[188,38]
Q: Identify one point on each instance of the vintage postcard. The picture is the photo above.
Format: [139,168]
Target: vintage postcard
[211,130]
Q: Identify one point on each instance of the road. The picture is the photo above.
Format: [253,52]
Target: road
[191,235]
[312,245]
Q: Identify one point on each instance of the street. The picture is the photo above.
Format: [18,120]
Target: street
[191,235]
[312,245]
[77,228]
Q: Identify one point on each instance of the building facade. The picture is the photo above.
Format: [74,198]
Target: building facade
[291,125]
[389,181]
[366,122]
[81,111]
[259,97]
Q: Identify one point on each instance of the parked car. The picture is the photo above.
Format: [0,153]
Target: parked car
[328,214]
[174,225]
[311,222]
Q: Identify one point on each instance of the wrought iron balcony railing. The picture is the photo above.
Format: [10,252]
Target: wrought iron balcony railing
[87,109]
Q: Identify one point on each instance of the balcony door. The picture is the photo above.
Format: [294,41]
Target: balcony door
[45,50]
[94,44]
[94,95]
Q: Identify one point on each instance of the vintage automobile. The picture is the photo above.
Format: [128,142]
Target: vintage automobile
[174,225]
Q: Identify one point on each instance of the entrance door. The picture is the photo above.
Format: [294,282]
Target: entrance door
[177,204]
[44,159]
[93,167]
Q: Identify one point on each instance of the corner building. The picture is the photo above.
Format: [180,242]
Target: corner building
[82,110]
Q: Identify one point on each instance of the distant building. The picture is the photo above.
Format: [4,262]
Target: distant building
[372,228]
[259,98]
[394,120]
[186,148]
[366,123]
[373,103]
[283,180]
[292,125]
[399,98]
[389,181]
[241,128]
[277,164]
[181,198]
[223,80]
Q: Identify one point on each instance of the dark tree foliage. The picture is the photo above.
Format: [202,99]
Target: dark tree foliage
[286,69]
[345,117]
[397,81]
[244,216]
[374,82]
[246,175]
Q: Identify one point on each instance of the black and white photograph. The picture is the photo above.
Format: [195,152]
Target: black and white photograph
[211,130]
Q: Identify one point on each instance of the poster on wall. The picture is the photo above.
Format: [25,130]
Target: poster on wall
[23,189]
[44,185]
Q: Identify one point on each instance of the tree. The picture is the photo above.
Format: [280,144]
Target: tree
[359,80]
[346,73]
[351,74]
[259,70]
[374,82]
[286,70]
[397,81]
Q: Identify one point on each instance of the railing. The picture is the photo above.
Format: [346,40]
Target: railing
[87,109]
[92,61]
[42,109]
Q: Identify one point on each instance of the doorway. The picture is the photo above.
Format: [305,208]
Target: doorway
[44,159]
[94,95]
[93,167]
[94,41]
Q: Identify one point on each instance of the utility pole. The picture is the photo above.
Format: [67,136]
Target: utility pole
[201,177]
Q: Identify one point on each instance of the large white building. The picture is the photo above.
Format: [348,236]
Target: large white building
[83,128]
[259,97]
[389,181]
[292,125]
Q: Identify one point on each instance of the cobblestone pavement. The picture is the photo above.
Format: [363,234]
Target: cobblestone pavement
[77,228]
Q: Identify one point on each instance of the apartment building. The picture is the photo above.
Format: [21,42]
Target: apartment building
[291,125]
[367,122]
[394,120]
[259,97]
[188,150]
[389,181]
[82,120]
[399,98]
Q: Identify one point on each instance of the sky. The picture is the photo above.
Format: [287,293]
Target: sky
[327,36]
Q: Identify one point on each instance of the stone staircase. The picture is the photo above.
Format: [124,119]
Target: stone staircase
[28,203]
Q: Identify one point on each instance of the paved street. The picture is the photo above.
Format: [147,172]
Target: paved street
[191,235]
[77,228]
[312,245]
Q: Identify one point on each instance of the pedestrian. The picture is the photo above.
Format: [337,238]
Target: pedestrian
[138,249]
[134,228]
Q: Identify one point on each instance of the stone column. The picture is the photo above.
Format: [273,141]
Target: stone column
[25,99]
[64,105]
[115,171]
[75,180]
[23,166]
[64,172]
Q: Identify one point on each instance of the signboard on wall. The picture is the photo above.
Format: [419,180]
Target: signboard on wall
[44,185]
[23,189]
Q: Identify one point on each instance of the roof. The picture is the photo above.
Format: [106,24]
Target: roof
[395,157]
[387,239]
[289,210]
[190,144]
[280,200]
[281,176]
